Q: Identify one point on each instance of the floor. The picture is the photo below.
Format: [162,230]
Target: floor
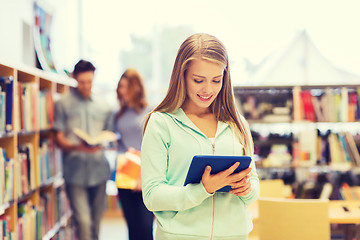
[114,228]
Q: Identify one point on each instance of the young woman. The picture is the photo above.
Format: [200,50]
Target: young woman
[129,123]
[198,116]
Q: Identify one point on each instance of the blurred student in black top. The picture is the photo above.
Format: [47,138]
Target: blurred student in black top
[129,124]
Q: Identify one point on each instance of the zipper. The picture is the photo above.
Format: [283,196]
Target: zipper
[218,132]
[213,198]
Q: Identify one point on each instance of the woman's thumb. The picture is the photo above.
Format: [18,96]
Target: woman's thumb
[207,170]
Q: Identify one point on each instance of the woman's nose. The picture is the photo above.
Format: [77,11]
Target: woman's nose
[207,87]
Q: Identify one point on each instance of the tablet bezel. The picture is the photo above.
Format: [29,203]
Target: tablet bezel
[217,163]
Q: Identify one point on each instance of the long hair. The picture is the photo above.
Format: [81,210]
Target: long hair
[136,91]
[207,47]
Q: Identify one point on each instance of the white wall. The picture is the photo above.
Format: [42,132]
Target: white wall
[15,42]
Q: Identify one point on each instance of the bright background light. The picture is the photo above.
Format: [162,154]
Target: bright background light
[249,29]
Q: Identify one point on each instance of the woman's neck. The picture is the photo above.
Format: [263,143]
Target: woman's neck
[194,110]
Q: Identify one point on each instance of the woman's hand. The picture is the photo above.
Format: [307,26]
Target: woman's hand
[242,187]
[213,182]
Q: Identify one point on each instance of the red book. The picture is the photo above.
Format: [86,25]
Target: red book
[50,108]
[352,107]
[24,173]
[309,110]
[35,107]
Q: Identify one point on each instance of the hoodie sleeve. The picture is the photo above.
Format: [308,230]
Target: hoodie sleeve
[254,194]
[158,195]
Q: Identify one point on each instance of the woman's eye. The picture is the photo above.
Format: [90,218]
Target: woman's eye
[197,81]
[216,81]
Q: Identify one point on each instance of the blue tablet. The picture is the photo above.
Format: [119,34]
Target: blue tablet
[217,163]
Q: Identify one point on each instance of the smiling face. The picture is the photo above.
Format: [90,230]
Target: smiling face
[203,84]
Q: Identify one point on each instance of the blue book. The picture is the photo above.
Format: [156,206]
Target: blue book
[2,111]
[218,164]
[7,85]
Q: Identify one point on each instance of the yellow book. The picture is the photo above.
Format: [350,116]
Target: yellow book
[334,149]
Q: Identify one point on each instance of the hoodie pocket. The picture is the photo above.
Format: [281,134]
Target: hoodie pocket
[193,221]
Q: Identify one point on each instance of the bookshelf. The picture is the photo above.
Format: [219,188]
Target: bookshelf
[301,132]
[32,195]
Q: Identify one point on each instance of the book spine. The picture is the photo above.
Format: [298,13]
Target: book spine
[2,176]
[2,111]
[8,84]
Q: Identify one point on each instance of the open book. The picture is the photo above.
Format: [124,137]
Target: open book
[103,137]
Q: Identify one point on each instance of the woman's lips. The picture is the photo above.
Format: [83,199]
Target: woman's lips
[204,98]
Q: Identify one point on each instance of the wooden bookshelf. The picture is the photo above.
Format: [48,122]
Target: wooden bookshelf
[301,132]
[303,114]
[34,188]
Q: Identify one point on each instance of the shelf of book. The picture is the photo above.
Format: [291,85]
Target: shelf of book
[330,103]
[60,224]
[32,196]
[298,126]
[303,132]
[306,125]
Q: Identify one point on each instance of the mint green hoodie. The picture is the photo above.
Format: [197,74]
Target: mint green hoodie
[189,212]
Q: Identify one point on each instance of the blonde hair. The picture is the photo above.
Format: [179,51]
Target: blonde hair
[207,47]
[136,90]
